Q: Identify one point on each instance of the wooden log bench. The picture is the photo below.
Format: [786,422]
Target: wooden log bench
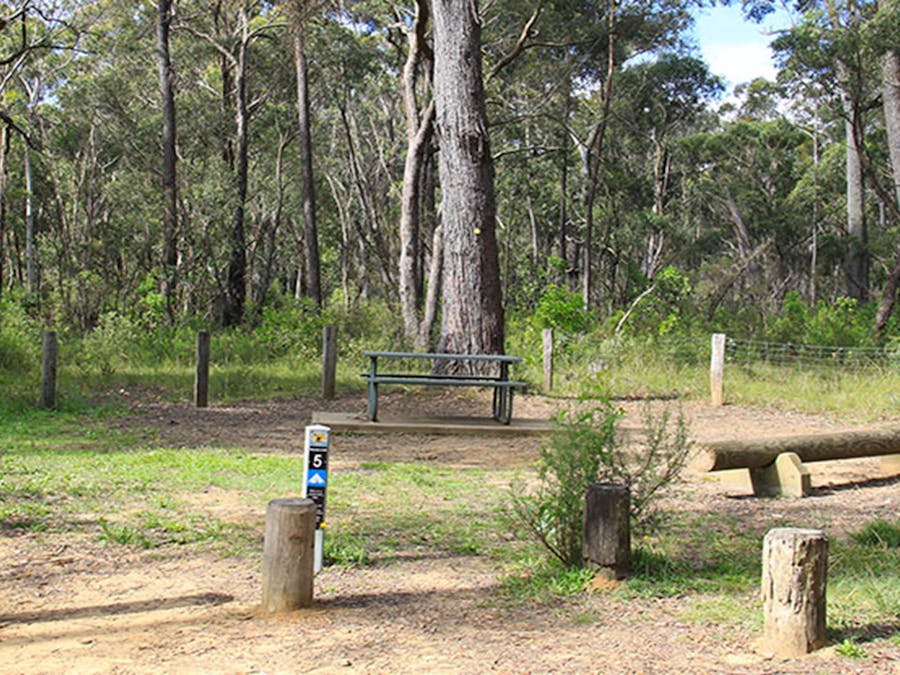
[501,384]
[778,465]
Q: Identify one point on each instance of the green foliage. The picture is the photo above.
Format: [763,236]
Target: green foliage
[583,449]
[850,649]
[579,445]
[106,348]
[880,533]
[562,310]
[20,340]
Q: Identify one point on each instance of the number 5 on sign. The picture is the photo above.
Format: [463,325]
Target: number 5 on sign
[315,480]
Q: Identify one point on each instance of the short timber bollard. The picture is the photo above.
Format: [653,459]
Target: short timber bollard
[607,531]
[717,369]
[201,375]
[287,572]
[547,339]
[329,360]
[795,567]
[48,370]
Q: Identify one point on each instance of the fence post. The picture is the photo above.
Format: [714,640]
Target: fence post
[329,360]
[548,359]
[717,369]
[795,567]
[201,376]
[287,571]
[48,370]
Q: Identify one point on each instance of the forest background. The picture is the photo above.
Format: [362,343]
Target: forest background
[265,168]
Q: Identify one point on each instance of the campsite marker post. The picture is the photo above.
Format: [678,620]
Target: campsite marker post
[315,480]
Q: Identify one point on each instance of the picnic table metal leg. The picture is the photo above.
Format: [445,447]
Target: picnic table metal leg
[372,393]
[372,402]
[506,412]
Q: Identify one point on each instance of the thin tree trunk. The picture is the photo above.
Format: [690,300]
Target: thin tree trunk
[418,136]
[30,266]
[592,158]
[472,306]
[890,92]
[236,288]
[857,265]
[310,230]
[434,290]
[4,152]
[169,158]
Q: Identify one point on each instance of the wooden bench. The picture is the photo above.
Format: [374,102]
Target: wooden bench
[501,384]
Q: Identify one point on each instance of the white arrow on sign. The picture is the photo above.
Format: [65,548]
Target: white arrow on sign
[316,479]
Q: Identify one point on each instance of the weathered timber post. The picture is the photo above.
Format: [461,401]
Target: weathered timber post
[607,530]
[548,359]
[329,360]
[717,369]
[287,572]
[201,375]
[795,567]
[48,370]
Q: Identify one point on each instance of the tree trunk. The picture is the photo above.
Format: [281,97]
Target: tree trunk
[310,230]
[236,285]
[418,137]
[30,266]
[4,148]
[169,157]
[890,93]
[857,265]
[472,306]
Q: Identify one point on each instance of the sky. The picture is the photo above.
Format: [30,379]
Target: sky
[735,49]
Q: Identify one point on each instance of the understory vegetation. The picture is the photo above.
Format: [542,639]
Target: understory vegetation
[824,358]
[71,476]
[70,473]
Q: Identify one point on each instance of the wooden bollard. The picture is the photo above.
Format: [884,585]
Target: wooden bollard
[329,361]
[607,530]
[717,369]
[288,555]
[547,339]
[795,568]
[48,370]
[201,375]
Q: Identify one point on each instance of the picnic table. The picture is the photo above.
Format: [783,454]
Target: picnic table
[503,387]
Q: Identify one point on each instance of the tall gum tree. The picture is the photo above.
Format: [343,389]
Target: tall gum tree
[472,321]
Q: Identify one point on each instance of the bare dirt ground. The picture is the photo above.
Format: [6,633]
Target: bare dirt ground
[73,605]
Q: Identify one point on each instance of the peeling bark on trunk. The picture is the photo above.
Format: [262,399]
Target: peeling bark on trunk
[472,310]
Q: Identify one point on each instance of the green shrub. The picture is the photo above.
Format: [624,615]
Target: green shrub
[583,449]
[562,310]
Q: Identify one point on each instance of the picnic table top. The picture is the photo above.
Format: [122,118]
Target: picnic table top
[501,358]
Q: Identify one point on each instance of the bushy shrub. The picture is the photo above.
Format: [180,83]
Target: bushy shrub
[20,339]
[583,448]
[109,345]
[562,310]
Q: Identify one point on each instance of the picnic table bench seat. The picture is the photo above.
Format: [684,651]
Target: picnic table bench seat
[501,384]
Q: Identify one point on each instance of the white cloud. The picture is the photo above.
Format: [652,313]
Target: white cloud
[740,63]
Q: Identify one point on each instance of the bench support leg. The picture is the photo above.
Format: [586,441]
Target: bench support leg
[890,465]
[785,477]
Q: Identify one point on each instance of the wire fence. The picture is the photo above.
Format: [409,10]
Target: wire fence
[789,354]
[689,350]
